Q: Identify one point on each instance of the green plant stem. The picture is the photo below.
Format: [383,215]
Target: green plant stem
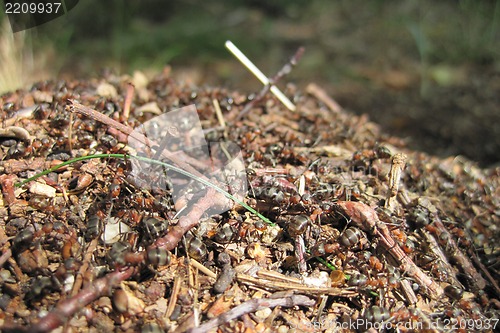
[152,161]
[326,263]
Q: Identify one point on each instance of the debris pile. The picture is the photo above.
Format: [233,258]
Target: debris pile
[358,231]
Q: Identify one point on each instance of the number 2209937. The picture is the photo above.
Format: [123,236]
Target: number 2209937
[32,7]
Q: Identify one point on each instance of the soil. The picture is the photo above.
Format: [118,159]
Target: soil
[458,120]
[361,228]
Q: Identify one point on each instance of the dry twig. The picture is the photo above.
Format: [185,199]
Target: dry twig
[475,279]
[174,295]
[211,199]
[321,95]
[270,85]
[397,165]
[485,270]
[5,256]
[179,158]
[290,284]
[264,79]
[365,218]
[128,100]
[252,306]
[14,166]
[442,261]
[86,262]
[67,308]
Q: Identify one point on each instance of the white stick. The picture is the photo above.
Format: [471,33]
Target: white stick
[262,78]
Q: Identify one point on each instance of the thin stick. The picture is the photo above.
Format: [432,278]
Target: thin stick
[218,112]
[397,165]
[408,292]
[321,307]
[475,279]
[442,261]
[5,256]
[287,68]
[483,268]
[194,285]
[70,306]
[129,95]
[175,294]
[86,262]
[321,95]
[180,158]
[70,134]
[365,218]
[211,199]
[286,285]
[300,249]
[16,166]
[262,78]
[252,306]
[202,268]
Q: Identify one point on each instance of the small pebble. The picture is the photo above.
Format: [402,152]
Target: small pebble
[263,313]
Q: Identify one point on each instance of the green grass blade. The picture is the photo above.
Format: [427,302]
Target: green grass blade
[152,161]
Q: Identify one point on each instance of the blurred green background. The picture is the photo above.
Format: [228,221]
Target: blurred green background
[428,71]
